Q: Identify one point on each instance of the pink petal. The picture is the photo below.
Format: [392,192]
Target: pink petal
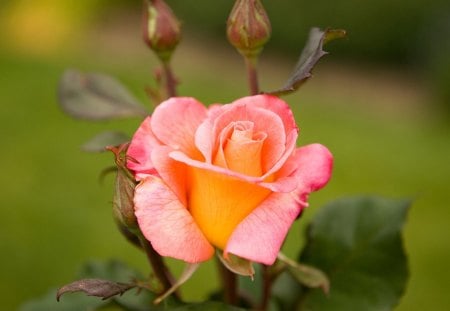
[141,147]
[274,104]
[172,172]
[175,121]
[260,235]
[314,166]
[204,138]
[167,224]
[264,121]
[291,141]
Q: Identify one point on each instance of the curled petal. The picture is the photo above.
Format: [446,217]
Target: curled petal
[264,121]
[167,224]
[260,235]
[314,165]
[287,184]
[175,121]
[274,104]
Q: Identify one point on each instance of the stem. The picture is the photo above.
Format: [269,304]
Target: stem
[252,75]
[171,82]
[267,288]
[229,282]
[156,262]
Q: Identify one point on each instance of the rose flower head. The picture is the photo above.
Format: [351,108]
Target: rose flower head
[227,177]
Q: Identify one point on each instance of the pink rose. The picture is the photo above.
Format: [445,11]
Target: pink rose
[227,177]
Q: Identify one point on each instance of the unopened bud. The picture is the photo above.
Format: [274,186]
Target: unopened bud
[161,28]
[248,27]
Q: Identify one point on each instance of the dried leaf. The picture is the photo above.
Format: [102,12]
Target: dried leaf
[94,96]
[95,287]
[309,57]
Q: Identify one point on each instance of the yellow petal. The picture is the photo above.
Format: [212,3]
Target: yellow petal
[218,203]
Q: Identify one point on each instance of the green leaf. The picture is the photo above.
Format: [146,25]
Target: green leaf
[94,96]
[307,275]
[286,291]
[252,288]
[357,242]
[237,264]
[309,57]
[99,142]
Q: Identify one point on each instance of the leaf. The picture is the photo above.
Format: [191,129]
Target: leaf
[251,289]
[307,275]
[357,242]
[94,96]
[105,139]
[309,57]
[237,264]
[286,292]
[141,300]
[95,287]
[133,300]
[186,275]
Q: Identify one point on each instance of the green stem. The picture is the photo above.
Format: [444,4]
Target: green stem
[252,75]
[229,282]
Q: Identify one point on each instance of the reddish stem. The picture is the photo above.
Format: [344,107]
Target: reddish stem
[159,268]
[229,282]
[171,82]
[252,74]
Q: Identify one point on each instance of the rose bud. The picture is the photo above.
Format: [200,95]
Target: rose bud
[161,28]
[248,27]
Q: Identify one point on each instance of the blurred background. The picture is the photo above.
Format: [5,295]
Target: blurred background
[380,101]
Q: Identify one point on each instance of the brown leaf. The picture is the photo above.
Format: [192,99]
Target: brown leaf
[95,287]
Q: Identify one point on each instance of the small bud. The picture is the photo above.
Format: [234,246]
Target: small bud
[248,27]
[161,28]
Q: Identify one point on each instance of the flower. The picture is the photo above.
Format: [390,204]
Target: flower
[227,177]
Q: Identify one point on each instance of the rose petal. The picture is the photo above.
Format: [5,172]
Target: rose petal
[167,224]
[287,184]
[260,235]
[314,166]
[274,104]
[218,203]
[175,121]
[264,121]
[140,149]
[172,172]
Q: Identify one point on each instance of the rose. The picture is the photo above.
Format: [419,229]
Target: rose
[228,177]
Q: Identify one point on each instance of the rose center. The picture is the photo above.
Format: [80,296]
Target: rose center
[240,148]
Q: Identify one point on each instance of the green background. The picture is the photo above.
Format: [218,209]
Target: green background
[380,115]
